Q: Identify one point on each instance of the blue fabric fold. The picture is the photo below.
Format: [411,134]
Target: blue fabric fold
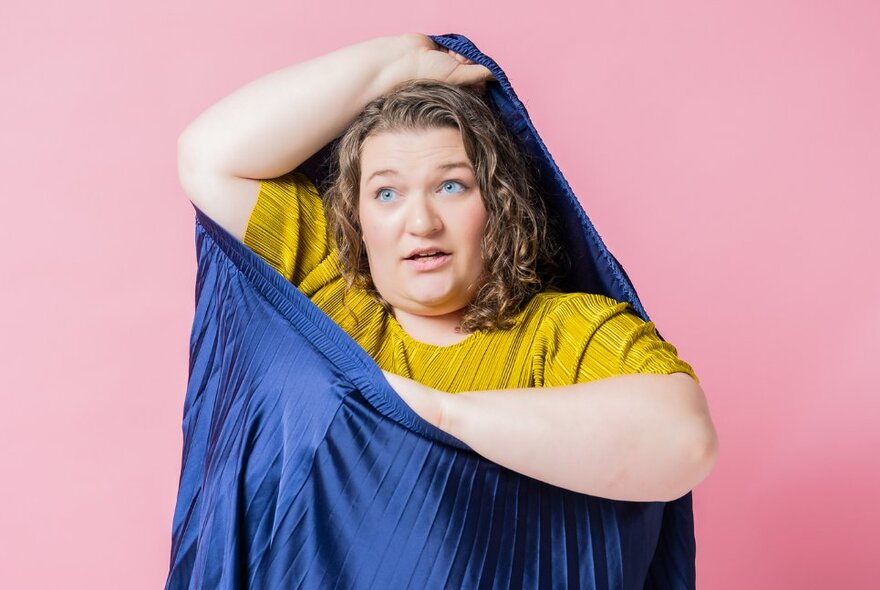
[302,467]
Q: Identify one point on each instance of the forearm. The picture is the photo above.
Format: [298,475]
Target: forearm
[274,123]
[637,437]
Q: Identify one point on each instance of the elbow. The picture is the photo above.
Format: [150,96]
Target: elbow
[194,172]
[197,154]
[684,465]
[189,155]
[699,451]
[705,455]
[701,457]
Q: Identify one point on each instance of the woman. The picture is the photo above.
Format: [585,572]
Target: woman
[473,317]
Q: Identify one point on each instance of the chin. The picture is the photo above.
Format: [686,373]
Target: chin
[429,306]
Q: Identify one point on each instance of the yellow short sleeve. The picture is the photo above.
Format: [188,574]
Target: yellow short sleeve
[287,227]
[601,337]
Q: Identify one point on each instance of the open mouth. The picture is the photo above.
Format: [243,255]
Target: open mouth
[428,262]
[432,255]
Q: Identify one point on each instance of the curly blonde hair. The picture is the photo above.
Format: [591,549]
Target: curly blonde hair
[521,254]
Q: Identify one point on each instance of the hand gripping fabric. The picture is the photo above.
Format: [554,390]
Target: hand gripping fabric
[303,468]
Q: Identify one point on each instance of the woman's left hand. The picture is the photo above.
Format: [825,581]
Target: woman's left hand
[427,402]
[426,59]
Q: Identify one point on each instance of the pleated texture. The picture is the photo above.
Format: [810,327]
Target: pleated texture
[303,468]
[559,339]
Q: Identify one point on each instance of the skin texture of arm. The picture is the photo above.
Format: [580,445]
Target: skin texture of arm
[274,123]
[636,437]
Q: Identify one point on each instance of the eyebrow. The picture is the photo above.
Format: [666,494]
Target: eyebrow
[393,172]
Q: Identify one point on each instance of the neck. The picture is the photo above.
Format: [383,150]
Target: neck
[434,329]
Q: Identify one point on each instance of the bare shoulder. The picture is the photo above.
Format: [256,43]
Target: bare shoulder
[227,200]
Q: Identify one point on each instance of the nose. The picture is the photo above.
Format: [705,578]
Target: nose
[422,218]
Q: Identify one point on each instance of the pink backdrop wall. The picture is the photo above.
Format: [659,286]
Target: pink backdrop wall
[727,154]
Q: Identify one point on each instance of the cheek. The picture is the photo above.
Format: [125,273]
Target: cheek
[367,223]
[476,223]
[377,240]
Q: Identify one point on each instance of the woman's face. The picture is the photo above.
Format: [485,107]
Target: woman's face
[418,190]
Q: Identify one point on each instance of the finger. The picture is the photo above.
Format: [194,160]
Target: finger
[460,58]
[485,72]
[472,74]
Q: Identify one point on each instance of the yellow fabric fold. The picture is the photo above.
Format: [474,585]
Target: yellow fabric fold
[559,338]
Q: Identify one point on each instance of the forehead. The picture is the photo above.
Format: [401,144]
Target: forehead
[411,151]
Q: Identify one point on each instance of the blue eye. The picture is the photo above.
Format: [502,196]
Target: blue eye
[453,182]
[380,192]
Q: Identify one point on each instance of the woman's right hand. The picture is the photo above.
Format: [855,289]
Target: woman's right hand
[423,58]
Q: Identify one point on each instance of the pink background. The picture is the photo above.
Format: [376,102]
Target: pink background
[727,154]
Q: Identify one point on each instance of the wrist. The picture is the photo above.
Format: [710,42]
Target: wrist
[402,62]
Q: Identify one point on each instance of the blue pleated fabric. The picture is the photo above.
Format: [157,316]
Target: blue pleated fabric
[303,468]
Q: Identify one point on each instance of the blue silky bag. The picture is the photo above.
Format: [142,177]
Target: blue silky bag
[303,468]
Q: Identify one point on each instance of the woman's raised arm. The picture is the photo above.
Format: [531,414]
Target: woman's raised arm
[274,123]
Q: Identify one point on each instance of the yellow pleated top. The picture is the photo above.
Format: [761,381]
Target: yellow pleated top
[559,338]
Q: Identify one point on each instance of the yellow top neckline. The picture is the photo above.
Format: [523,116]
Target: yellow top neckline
[470,339]
[410,341]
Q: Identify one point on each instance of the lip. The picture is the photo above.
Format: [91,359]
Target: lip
[425,264]
[423,250]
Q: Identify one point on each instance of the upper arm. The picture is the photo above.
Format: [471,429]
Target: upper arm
[281,219]
[227,200]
